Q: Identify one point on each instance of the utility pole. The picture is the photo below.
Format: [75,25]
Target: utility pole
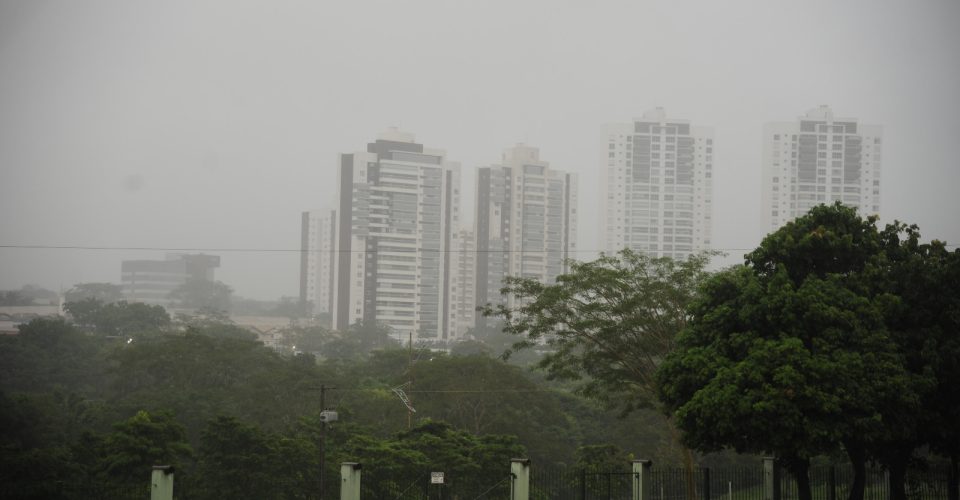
[324,416]
[323,435]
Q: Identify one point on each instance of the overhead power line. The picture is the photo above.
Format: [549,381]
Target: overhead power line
[297,250]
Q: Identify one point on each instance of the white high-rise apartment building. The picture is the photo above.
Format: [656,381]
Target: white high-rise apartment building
[317,259]
[396,216]
[526,221]
[657,186]
[819,159]
[463,256]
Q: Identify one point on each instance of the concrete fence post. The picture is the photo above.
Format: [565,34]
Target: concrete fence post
[349,481]
[642,485]
[771,479]
[161,482]
[519,479]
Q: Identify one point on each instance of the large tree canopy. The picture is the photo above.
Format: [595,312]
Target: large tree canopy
[202,294]
[607,323]
[118,318]
[104,292]
[802,350]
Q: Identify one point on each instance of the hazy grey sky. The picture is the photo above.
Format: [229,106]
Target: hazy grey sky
[214,124]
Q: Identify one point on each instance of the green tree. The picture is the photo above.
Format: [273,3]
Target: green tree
[925,323]
[214,323]
[14,298]
[607,324]
[602,457]
[791,354]
[118,318]
[236,460]
[203,294]
[290,307]
[104,292]
[359,340]
[783,370]
[32,459]
[469,461]
[48,353]
[142,441]
[306,338]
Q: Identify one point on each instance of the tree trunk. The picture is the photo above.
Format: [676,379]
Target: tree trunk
[858,460]
[898,478]
[688,461]
[953,479]
[800,470]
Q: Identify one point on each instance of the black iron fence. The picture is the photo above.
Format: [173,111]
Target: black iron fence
[56,490]
[580,484]
[421,485]
[834,483]
[728,483]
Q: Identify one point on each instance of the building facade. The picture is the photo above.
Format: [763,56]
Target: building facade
[819,159]
[526,221]
[463,256]
[151,281]
[398,208]
[657,186]
[317,259]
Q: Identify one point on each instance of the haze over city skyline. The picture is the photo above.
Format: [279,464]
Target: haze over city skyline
[201,126]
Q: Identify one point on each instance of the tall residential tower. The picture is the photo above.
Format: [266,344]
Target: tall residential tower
[819,159]
[657,186]
[526,221]
[396,217]
[317,259]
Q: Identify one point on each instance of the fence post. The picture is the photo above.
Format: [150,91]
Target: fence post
[519,479]
[771,479]
[161,482]
[642,485]
[349,481]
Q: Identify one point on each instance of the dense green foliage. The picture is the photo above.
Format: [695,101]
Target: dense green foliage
[104,292]
[833,335]
[118,318]
[607,323]
[78,406]
[198,293]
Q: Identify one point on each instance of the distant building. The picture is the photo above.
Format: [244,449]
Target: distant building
[151,281]
[463,256]
[317,259]
[398,209]
[526,221]
[819,159]
[657,186]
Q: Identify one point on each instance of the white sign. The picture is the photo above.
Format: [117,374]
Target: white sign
[436,478]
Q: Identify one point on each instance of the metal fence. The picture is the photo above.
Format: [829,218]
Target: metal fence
[404,485]
[75,491]
[834,483]
[580,484]
[727,483]
[731,483]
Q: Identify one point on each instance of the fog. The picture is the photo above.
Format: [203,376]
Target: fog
[212,125]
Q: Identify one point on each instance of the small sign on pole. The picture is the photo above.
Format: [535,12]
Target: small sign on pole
[436,478]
